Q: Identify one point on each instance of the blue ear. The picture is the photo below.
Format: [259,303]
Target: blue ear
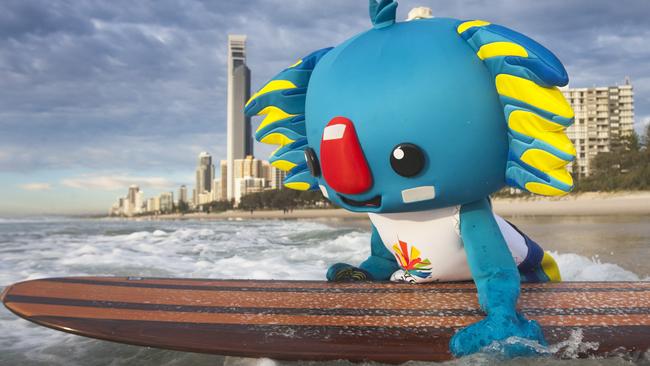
[382,13]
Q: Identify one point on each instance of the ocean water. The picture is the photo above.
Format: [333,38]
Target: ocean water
[586,248]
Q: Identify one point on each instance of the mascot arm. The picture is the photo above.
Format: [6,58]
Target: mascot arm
[378,267]
[381,264]
[497,281]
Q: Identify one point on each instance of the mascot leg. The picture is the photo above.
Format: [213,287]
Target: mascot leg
[538,266]
[497,280]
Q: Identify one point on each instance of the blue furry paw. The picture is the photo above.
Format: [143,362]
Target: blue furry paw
[342,272]
[509,334]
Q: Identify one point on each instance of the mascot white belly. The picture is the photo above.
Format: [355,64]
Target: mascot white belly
[428,246]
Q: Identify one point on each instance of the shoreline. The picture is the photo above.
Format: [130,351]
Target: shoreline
[583,204]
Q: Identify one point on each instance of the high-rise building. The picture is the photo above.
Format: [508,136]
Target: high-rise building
[247,167]
[166,202]
[216,190]
[204,173]
[248,185]
[182,194]
[275,177]
[151,205]
[240,138]
[603,115]
[223,193]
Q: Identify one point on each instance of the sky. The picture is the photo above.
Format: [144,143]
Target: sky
[98,95]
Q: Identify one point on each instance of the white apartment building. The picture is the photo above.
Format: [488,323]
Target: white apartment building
[602,114]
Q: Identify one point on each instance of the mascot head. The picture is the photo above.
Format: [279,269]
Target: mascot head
[420,115]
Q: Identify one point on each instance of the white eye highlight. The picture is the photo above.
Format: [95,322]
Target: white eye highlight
[398,153]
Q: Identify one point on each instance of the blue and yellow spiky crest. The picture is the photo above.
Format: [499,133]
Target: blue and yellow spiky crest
[282,102]
[526,77]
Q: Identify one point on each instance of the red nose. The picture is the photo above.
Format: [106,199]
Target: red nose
[344,167]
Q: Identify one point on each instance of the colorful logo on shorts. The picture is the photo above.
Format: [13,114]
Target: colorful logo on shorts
[410,261]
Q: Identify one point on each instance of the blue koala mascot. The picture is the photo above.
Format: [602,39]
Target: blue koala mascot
[417,123]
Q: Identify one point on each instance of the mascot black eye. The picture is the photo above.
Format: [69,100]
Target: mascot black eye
[407,160]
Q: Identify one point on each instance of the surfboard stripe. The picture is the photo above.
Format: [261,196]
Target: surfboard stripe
[338,288]
[309,300]
[35,310]
[314,311]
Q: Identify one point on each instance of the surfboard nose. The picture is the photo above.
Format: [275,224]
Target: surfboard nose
[4,293]
[343,163]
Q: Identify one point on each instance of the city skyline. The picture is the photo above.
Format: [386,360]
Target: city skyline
[98,99]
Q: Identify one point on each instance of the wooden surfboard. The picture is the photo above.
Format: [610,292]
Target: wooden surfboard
[313,320]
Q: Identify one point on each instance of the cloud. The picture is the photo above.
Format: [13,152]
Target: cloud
[117,182]
[141,86]
[36,186]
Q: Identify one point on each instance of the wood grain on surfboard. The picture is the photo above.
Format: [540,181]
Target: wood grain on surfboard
[317,320]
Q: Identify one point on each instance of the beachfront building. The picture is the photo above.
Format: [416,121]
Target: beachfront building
[603,115]
[222,194]
[151,205]
[204,175]
[182,194]
[216,190]
[166,202]
[274,176]
[132,204]
[240,138]
[248,185]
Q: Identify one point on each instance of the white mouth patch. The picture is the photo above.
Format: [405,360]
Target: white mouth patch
[333,132]
[418,194]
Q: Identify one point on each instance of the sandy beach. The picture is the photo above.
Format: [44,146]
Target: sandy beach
[583,204]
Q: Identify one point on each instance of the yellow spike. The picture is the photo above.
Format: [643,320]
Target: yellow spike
[550,267]
[296,64]
[562,175]
[544,189]
[273,85]
[299,186]
[495,49]
[542,160]
[273,114]
[283,165]
[549,99]
[470,24]
[532,125]
[276,139]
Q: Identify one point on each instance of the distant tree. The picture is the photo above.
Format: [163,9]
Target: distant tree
[625,167]
[182,207]
[282,199]
[218,206]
